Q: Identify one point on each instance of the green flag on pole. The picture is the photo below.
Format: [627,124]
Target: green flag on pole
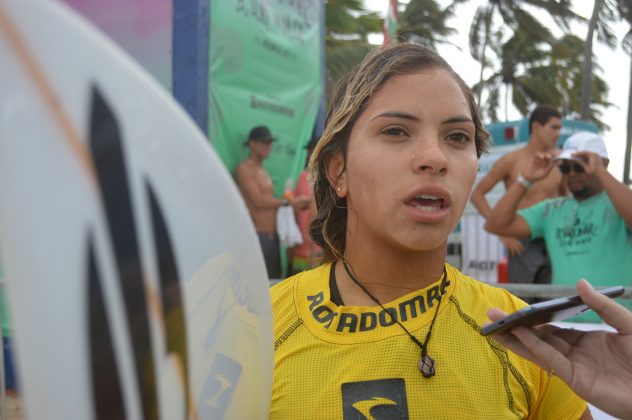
[390,23]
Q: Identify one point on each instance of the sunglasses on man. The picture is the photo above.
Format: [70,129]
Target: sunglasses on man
[566,166]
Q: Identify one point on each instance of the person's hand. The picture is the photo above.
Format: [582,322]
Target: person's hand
[591,162]
[513,245]
[597,365]
[539,166]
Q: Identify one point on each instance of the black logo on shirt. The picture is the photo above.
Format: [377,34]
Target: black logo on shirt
[367,321]
[580,233]
[380,399]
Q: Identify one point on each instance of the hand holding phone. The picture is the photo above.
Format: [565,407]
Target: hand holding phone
[603,378]
[545,312]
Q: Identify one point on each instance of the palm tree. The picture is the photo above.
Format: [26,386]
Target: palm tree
[514,17]
[603,15]
[347,26]
[348,21]
[424,22]
[625,11]
[541,73]
[341,59]
[567,65]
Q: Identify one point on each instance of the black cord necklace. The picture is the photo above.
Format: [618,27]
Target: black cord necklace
[426,363]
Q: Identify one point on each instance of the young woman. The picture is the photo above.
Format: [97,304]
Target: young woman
[385,328]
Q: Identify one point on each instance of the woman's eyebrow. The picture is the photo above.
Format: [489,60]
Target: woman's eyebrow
[458,119]
[395,114]
[406,116]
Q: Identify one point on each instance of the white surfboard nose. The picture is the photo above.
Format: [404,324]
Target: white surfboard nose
[134,274]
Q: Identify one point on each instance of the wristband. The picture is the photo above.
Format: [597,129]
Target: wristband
[523,181]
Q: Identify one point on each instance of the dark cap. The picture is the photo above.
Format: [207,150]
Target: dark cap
[260,133]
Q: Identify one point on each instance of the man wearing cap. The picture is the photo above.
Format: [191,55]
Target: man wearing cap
[528,261]
[257,190]
[589,234]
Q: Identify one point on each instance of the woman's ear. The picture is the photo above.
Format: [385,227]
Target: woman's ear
[335,167]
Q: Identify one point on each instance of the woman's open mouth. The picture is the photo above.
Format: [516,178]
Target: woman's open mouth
[427,202]
[432,205]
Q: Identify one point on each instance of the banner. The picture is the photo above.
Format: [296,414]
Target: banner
[265,63]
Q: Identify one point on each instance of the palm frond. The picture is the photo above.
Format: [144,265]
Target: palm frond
[478,31]
[626,43]
[532,27]
[340,60]
[560,10]
[424,21]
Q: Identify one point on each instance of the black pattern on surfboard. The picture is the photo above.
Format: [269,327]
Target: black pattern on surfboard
[106,382]
[106,147]
[171,292]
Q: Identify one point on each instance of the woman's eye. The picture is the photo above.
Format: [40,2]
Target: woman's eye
[459,137]
[394,131]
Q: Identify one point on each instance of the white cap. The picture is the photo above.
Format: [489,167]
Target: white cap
[583,141]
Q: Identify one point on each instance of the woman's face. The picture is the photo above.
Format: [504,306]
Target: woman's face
[411,163]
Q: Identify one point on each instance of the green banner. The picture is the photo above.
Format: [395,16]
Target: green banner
[4,309]
[265,61]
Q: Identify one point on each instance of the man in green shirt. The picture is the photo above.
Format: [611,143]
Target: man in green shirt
[589,234]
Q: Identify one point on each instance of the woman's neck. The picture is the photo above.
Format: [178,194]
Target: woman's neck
[387,275]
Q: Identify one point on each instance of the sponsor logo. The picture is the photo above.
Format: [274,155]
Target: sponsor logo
[482,265]
[367,321]
[379,399]
[259,103]
[219,387]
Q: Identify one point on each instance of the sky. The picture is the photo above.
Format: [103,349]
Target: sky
[615,65]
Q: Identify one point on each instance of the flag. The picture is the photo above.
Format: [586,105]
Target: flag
[389,27]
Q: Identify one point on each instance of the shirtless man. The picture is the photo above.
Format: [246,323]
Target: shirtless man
[528,260]
[257,189]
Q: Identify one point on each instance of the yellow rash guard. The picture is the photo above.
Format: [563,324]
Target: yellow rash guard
[355,362]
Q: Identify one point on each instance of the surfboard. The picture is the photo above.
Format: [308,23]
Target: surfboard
[135,279]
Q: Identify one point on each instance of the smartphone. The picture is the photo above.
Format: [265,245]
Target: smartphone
[544,312]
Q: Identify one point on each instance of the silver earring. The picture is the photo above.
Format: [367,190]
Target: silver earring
[338,189]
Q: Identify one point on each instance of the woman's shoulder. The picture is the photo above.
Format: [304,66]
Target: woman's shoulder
[285,289]
[286,294]
[475,294]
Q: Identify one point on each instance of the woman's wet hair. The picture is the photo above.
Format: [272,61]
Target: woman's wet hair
[350,98]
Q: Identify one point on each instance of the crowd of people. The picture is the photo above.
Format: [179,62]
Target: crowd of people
[375,322]
[587,233]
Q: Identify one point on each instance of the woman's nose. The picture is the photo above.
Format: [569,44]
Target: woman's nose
[430,158]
